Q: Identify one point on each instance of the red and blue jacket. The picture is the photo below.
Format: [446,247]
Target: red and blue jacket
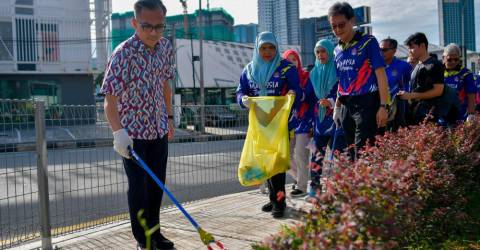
[356,62]
[303,122]
[284,79]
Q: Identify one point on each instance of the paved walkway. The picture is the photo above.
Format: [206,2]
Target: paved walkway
[234,219]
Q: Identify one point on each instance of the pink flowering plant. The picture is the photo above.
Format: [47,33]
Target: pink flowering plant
[412,186]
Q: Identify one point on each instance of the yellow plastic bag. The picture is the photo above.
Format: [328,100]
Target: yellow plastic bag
[266,151]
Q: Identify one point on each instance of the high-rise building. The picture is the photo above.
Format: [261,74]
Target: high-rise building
[217,25]
[451,13]
[316,28]
[282,17]
[46,50]
[308,39]
[245,33]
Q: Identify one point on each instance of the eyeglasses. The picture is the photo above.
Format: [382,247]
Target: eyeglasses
[148,27]
[338,26]
[453,59]
[385,49]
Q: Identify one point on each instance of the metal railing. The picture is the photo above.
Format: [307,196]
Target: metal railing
[82,183]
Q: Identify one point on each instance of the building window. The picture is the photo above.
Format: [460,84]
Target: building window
[24,2]
[116,22]
[213,97]
[50,46]
[26,47]
[23,11]
[230,96]
[6,41]
[47,91]
[14,89]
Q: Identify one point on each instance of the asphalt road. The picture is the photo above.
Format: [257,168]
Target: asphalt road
[89,184]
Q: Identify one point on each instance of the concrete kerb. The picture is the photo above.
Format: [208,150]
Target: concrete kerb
[72,237]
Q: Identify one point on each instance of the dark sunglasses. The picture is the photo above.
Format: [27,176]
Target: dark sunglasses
[453,59]
[148,27]
[385,49]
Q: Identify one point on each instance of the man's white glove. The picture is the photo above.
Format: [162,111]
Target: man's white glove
[245,101]
[121,141]
[470,118]
[337,114]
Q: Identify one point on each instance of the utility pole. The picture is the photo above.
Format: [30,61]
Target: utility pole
[185,18]
[202,89]
[464,46]
[188,35]
[174,82]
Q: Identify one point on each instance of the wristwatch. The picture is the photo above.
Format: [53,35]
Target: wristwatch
[385,106]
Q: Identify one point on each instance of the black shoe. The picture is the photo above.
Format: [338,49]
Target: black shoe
[163,243]
[278,211]
[267,207]
[297,193]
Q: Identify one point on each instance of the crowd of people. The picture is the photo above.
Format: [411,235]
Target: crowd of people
[356,90]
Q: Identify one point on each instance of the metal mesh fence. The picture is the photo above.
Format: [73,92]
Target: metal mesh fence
[86,180]
[18,191]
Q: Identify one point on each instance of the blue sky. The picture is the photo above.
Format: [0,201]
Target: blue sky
[394,18]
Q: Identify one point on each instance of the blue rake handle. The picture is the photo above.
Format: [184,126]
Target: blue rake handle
[204,236]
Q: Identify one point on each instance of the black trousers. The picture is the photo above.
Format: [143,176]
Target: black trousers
[276,184]
[443,109]
[400,116]
[143,192]
[359,120]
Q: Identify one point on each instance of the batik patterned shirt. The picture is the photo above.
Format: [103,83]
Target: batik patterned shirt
[136,75]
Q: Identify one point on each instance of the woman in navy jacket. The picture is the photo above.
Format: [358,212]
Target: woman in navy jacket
[268,75]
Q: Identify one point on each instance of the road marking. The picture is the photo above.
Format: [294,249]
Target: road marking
[69,133]
[19,136]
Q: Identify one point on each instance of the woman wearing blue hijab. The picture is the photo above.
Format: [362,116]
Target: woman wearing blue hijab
[269,75]
[325,83]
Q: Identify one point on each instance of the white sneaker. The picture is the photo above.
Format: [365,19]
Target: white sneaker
[263,188]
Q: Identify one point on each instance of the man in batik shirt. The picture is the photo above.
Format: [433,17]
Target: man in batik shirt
[138,108]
